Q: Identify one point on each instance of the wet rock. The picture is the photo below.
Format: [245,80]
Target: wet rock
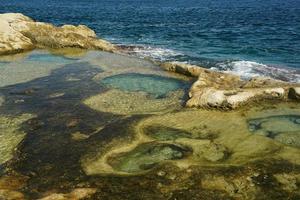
[79,136]
[161,173]
[166,133]
[2,100]
[205,149]
[215,152]
[239,187]
[11,195]
[12,182]
[292,139]
[72,123]
[289,181]
[19,33]
[56,95]
[10,135]
[119,102]
[76,194]
[294,93]
[29,91]
[282,128]
[146,156]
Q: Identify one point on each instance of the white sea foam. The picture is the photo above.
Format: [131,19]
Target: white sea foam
[248,69]
[243,68]
[157,53]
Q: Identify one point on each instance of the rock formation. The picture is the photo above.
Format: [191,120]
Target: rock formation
[214,89]
[20,33]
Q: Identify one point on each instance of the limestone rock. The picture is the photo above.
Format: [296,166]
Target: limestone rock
[12,41]
[20,33]
[220,90]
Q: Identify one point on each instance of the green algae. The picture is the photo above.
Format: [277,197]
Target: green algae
[147,156]
[10,135]
[157,86]
[166,133]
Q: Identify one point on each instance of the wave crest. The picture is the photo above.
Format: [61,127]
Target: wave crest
[249,69]
[156,53]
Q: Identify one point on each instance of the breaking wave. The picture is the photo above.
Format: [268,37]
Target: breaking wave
[155,53]
[249,69]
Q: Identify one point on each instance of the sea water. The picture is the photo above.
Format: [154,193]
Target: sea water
[246,37]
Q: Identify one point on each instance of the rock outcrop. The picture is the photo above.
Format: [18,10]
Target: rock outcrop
[214,89]
[20,33]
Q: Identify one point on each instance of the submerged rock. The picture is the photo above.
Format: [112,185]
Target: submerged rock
[10,135]
[289,181]
[76,194]
[1,100]
[158,86]
[282,128]
[119,102]
[19,33]
[11,195]
[146,156]
[221,90]
[166,133]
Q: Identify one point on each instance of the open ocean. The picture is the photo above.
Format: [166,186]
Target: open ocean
[246,37]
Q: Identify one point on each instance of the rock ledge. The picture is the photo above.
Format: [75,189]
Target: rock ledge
[214,89]
[20,33]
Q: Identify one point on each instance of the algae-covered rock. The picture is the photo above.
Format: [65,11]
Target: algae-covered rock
[146,156]
[10,135]
[289,181]
[163,133]
[11,195]
[1,100]
[205,149]
[19,33]
[76,194]
[119,102]
[282,128]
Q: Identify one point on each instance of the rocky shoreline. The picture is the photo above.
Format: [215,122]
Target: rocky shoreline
[79,124]
[20,33]
[212,89]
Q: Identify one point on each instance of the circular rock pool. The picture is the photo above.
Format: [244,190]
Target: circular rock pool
[155,85]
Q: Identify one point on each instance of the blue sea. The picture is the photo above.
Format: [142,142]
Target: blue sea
[246,37]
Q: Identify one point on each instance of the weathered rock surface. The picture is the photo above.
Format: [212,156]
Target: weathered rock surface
[20,33]
[294,93]
[215,89]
